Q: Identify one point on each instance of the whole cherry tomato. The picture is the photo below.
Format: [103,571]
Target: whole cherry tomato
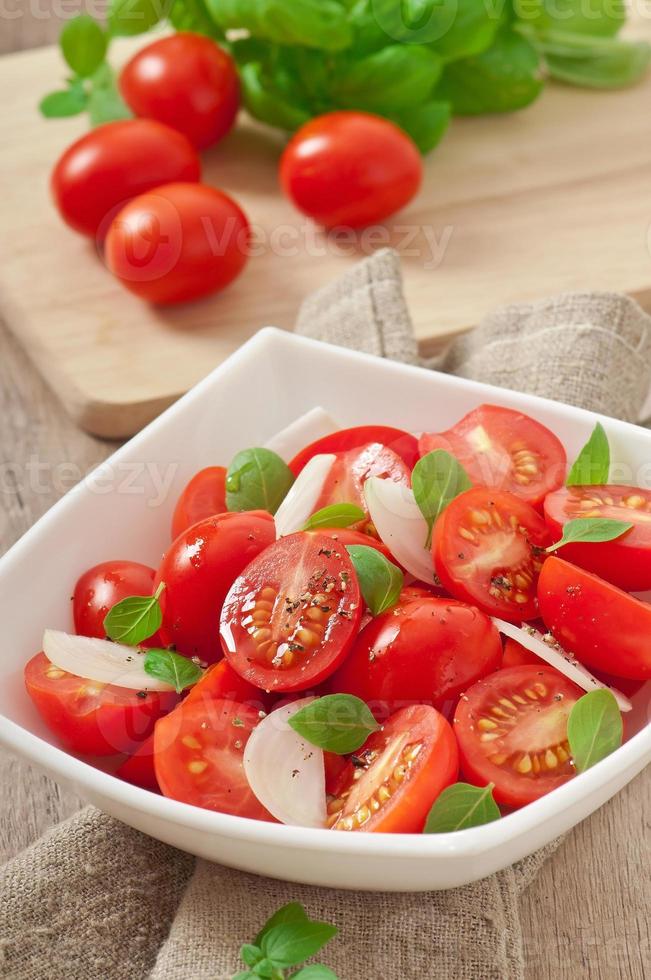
[101,587]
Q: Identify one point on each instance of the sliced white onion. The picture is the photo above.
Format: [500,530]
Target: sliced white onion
[553,654]
[400,524]
[100,660]
[314,425]
[300,502]
[286,773]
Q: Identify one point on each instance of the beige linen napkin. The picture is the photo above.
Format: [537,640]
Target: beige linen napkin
[95,900]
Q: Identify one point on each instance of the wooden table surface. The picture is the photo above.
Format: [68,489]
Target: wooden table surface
[587,914]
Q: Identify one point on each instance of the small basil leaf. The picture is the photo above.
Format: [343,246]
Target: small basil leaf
[264,968]
[292,912]
[338,723]
[461,806]
[337,515]
[129,17]
[591,529]
[396,77]
[291,943]
[257,479]
[380,581]
[134,619]
[426,124]
[83,43]
[315,971]
[244,975]
[105,104]
[592,465]
[165,665]
[320,24]
[594,728]
[250,954]
[436,480]
[69,102]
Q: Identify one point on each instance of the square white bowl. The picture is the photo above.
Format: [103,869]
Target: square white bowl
[120,512]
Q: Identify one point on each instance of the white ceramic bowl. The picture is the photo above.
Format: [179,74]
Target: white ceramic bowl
[119,513]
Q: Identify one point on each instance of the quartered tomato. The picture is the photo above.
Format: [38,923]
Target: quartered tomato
[343,536]
[292,615]
[488,550]
[221,681]
[199,569]
[512,731]
[402,443]
[504,450]
[198,757]
[424,650]
[604,627]
[626,561]
[351,469]
[138,769]
[98,590]
[204,496]
[399,772]
[89,717]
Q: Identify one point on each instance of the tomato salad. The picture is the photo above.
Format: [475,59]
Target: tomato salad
[366,630]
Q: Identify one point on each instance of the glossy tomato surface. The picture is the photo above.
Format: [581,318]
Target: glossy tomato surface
[488,550]
[601,625]
[424,650]
[204,496]
[350,470]
[101,587]
[198,757]
[344,536]
[138,769]
[89,717]
[402,443]
[512,731]
[504,450]
[187,82]
[114,163]
[177,243]
[198,570]
[404,767]
[626,561]
[350,169]
[221,681]
[292,615]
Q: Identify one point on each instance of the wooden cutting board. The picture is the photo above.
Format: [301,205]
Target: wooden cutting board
[556,197]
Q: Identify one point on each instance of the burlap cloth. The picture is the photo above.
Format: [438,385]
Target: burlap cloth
[95,900]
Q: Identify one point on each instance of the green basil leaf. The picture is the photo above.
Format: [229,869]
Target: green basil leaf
[264,968]
[83,43]
[105,104]
[472,30]
[130,17]
[338,723]
[594,728]
[291,943]
[397,77]
[337,515]
[257,479]
[165,665]
[245,975]
[69,102]
[265,102]
[250,954]
[134,619]
[319,24]
[461,806]
[292,912]
[592,465]
[436,480]
[315,971]
[193,15]
[591,529]
[379,579]
[600,17]
[426,124]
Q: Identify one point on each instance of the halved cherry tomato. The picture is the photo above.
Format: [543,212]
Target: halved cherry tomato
[221,681]
[504,450]
[198,757]
[600,624]
[512,731]
[626,561]
[138,769]
[402,443]
[199,569]
[426,650]
[343,536]
[351,469]
[338,773]
[98,590]
[488,550]
[89,717]
[292,615]
[399,772]
[204,496]
[515,655]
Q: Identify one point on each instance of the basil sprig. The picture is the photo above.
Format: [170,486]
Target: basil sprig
[591,529]
[379,579]
[338,723]
[257,479]
[594,728]
[287,939]
[165,665]
[436,480]
[134,619]
[592,465]
[461,806]
[337,515]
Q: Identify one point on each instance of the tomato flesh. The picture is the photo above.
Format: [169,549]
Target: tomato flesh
[203,497]
[138,769]
[291,617]
[221,681]
[403,444]
[488,550]
[398,773]
[101,587]
[512,731]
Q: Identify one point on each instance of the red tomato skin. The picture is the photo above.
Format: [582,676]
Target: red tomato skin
[138,769]
[350,168]
[101,587]
[403,444]
[116,720]
[187,82]
[350,470]
[177,243]
[114,163]
[604,627]
[343,536]
[626,561]
[515,655]
[423,651]
[204,496]
[198,570]
[221,681]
